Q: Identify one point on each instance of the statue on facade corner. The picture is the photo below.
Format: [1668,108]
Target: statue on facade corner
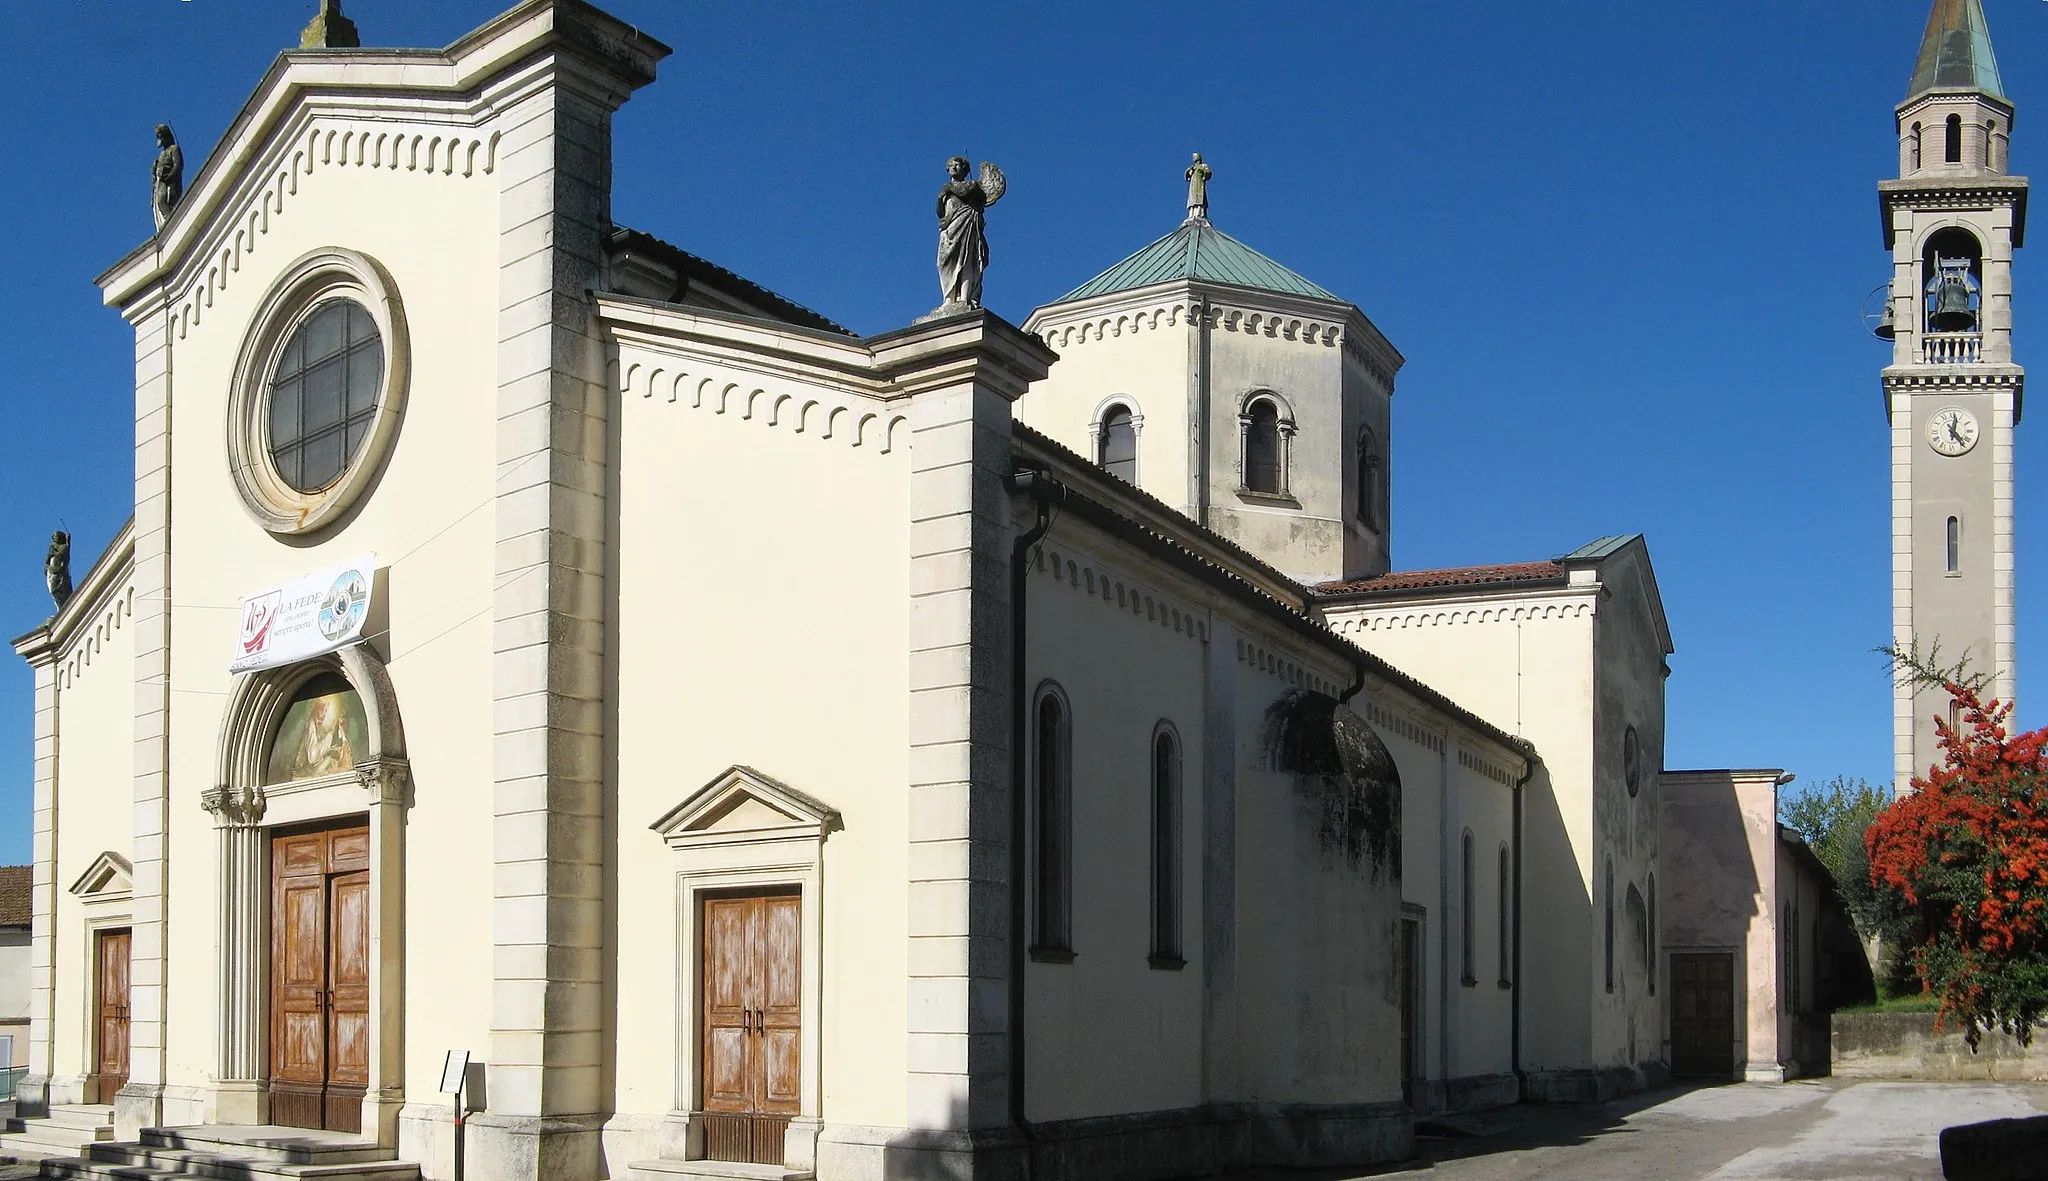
[1198,175]
[57,567]
[963,232]
[167,175]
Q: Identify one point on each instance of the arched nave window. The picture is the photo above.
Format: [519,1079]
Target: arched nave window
[1116,445]
[1507,911]
[1653,934]
[1467,923]
[1608,901]
[1166,846]
[1052,829]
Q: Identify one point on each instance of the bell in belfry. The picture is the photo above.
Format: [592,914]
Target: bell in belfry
[1954,297]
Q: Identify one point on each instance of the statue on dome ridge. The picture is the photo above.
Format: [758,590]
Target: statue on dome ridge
[1198,175]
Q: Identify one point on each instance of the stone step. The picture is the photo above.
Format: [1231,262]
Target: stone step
[50,1135]
[128,1161]
[82,1115]
[669,1170]
[270,1142]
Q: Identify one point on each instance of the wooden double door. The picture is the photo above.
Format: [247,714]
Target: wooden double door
[752,1038]
[320,977]
[111,956]
[1703,1014]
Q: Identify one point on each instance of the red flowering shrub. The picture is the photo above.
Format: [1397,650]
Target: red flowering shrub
[1968,850]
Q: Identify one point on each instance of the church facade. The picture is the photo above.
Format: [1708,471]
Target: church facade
[1128,815]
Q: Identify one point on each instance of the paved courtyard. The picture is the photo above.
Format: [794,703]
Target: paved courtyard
[1825,1130]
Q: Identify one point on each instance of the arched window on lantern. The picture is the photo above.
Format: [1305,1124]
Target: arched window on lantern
[1369,502]
[1116,443]
[1953,152]
[1266,427]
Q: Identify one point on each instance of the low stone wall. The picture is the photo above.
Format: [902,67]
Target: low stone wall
[1905,1046]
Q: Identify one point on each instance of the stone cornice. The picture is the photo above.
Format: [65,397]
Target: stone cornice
[725,338]
[1231,309]
[1928,98]
[1954,192]
[464,84]
[979,346]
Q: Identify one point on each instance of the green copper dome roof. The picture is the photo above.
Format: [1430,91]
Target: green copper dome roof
[1956,52]
[1198,250]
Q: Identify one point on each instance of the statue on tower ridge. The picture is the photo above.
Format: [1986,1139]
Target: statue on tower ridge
[166,175]
[963,234]
[329,29]
[57,568]
[1198,175]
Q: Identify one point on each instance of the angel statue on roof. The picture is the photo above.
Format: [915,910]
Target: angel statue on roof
[963,236]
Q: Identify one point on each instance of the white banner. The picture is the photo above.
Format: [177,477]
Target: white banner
[305,617]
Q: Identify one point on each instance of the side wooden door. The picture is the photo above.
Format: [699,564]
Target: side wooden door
[110,1005]
[1703,1014]
[319,979]
[753,1027]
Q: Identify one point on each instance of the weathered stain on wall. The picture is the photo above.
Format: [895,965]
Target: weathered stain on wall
[1343,770]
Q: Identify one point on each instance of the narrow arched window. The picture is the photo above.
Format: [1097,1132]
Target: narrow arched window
[1653,934]
[1166,874]
[1955,545]
[1262,447]
[1117,451]
[1507,912]
[1954,152]
[1608,902]
[1471,901]
[1990,140]
[1913,150]
[1052,828]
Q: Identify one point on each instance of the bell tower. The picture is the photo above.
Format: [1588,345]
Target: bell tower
[1952,220]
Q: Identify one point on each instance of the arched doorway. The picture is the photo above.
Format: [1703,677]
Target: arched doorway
[309,805]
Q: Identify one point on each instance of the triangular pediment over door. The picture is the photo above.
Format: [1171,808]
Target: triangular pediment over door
[744,802]
[107,877]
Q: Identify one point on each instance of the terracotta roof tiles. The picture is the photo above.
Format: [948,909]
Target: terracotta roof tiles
[1406,580]
[15,910]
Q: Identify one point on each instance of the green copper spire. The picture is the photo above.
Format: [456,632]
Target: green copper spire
[1956,53]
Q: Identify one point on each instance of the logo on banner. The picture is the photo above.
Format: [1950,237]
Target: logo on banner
[347,602]
[258,614]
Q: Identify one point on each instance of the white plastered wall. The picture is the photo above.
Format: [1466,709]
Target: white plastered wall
[1527,666]
[763,571]
[1123,639]
[427,518]
[1138,351]
[95,707]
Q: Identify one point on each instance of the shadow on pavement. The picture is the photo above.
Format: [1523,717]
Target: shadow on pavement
[1506,1129]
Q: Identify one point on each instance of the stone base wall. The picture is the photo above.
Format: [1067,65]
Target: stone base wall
[1146,1147]
[1479,1092]
[1906,1046]
[1597,1085]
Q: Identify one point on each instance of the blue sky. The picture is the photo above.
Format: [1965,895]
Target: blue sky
[1623,247]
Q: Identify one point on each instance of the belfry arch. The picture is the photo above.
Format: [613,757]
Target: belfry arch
[370,781]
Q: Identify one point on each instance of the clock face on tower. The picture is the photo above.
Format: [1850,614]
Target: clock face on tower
[1952,430]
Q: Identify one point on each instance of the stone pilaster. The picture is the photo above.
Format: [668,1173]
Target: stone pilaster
[962,375]
[140,1103]
[240,1068]
[32,1092]
[548,1026]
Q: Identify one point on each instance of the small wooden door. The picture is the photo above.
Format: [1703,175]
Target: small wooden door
[110,1004]
[1703,1014]
[752,1024]
[320,978]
